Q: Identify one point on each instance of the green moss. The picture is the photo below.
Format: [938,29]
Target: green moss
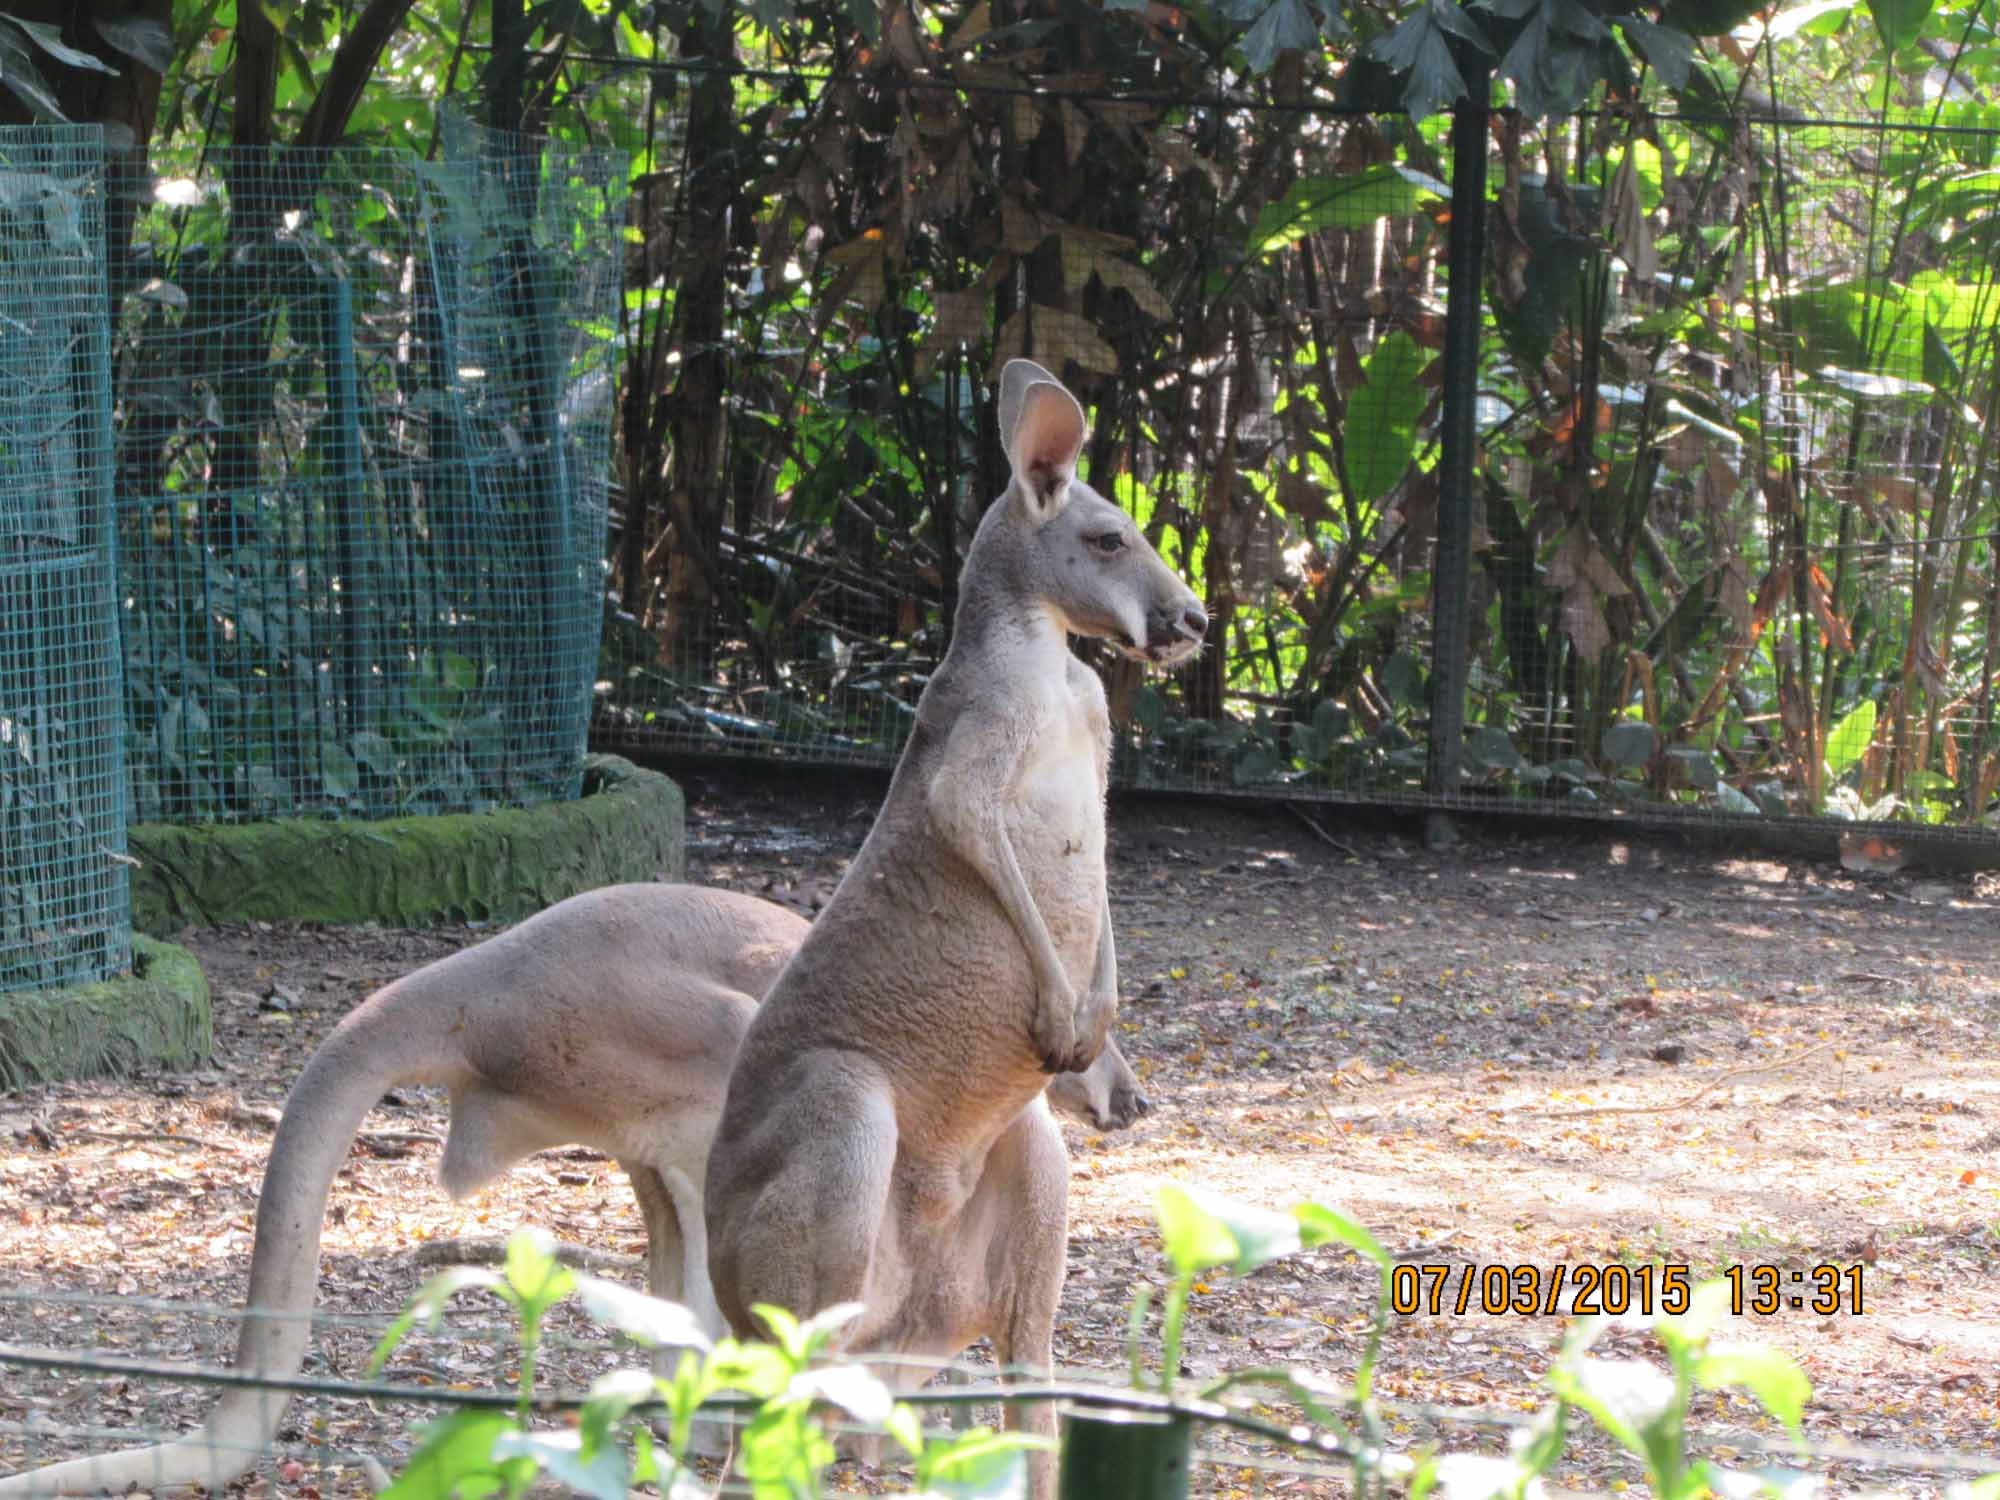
[630,824]
[156,1016]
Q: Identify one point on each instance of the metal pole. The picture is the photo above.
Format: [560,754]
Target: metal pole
[1451,572]
[1125,1455]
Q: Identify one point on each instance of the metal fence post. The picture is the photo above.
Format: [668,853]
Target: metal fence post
[348,499]
[1110,1454]
[1451,572]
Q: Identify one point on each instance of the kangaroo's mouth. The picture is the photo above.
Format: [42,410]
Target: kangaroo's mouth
[1169,653]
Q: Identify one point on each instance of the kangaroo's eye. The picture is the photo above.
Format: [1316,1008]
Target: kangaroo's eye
[1108,542]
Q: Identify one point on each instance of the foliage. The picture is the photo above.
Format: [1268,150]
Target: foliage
[783,1448]
[1735,389]
[1642,1405]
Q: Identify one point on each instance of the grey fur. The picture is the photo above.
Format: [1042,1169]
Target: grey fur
[884,1140]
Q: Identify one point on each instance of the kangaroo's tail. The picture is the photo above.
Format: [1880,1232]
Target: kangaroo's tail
[371,1051]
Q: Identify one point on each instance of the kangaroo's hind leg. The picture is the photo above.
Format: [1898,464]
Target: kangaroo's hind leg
[1030,1165]
[672,1273]
[798,1201]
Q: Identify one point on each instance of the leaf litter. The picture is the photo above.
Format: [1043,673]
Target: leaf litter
[1564,1051]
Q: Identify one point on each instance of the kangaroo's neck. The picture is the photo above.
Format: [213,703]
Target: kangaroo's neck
[1014,621]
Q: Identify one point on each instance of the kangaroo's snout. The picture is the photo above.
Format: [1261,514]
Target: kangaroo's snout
[1106,1096]
[1174,634]
[1128,1107]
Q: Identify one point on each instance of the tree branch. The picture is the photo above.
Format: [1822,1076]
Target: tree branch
[353,64]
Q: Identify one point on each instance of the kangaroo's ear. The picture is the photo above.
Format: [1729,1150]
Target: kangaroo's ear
[1015,378]
[1044,431]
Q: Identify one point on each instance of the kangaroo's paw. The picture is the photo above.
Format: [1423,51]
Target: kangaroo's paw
[1057,1036]
[1093,1022]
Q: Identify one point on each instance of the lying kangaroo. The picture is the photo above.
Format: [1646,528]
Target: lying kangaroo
[610,1020]
[882,1142]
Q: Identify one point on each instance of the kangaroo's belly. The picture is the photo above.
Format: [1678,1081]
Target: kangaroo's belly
[1056,825]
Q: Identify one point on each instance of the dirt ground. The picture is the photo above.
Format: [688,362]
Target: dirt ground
[1569,1051]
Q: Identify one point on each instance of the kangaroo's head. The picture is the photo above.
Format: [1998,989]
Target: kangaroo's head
[1075,552]
[1108,1096]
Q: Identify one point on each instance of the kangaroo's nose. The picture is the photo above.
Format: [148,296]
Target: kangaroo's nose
[1195,622]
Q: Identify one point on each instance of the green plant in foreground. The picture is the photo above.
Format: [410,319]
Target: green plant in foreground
[473,1454]
[783,1450]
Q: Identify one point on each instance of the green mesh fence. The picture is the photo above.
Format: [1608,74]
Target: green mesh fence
[363,426]
[62,825]
[1725,543]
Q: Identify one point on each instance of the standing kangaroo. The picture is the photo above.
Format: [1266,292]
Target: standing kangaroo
[883,1140]
[609,1020]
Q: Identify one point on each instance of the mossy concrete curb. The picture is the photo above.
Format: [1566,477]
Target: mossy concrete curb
[630,824]
[156,1016]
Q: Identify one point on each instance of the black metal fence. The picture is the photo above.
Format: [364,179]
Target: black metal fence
[1627,462]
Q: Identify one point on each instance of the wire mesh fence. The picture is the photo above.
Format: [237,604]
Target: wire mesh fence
[1726,511]
[63,909]
[363,407]
[89,1374]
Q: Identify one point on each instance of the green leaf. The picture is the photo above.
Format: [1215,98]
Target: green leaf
[50,40]
[1420,46]
[1254,1235]
[1555,59]
[1330,721]
[818,1331]
[1668,52]
[339,771]
[907,1428]
[1706,1308]
[854,1390]
[1769,1374]
[1941,366]
[461,673]
[603,1475]
[1319,1225]
[1849,740]
[612,1397]
[1857,325]
[1351,200]
[1629,744]
[373,751]
[532,1272]
[1814,18]
[1402,673]
[1285,26]
[1194,1238]
[1708,17]
[754,1369]
[1899,21]
[1984,1488]
[20,76]
[139,38]
[1492,749]
[455,1458]
[1734,801]
[979,1464]
[1626,1396]
[652,1321]
[1382,417]
[1697,765]
[1254,765]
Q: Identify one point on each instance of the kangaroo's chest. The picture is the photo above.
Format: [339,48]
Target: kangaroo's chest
[1056,818]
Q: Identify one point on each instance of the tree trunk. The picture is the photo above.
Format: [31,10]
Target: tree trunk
[696,494]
